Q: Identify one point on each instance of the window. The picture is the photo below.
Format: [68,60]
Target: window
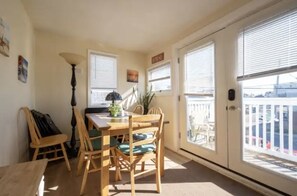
[200,95]
[268,71]
[159,78]
[200,70]
[102,77]
[268,48]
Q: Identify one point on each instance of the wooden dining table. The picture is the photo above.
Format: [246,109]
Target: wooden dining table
[113,126]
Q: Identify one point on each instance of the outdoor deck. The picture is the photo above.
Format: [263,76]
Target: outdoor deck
[269,131]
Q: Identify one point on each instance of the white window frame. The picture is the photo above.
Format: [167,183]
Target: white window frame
[162,92]
[104,104]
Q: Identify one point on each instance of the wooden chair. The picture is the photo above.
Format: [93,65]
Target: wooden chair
[138,110]
[90,149]
[201,128]
[45,145]
[137,151]
[155,110]
[152,110]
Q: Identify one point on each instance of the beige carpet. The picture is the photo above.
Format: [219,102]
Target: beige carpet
[182,177]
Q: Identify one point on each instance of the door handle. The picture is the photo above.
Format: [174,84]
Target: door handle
[233,108]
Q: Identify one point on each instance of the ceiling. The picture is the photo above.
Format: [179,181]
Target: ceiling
[134,25]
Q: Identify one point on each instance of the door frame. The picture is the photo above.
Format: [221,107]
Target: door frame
[219,155]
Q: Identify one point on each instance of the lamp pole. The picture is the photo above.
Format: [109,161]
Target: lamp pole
[73,60]
[73,104]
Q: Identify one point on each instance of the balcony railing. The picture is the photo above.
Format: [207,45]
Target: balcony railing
[270,126]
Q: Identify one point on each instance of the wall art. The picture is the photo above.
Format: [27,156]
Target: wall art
[4,38]
[158,58]
[22,69]
[132,76]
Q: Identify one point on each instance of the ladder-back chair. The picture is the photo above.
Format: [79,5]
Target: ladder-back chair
[138,109]
[45,145]
[137,151]
[155,110]
[90,149]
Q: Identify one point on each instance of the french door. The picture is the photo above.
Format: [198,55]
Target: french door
[251,129]
[203,102]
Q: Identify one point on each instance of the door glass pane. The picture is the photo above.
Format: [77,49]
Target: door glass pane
[270,123]
[200,70]
[199,95]
[201,122]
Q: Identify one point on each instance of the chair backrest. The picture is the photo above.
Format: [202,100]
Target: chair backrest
[138,110]
[33,129]
[85,142]
[198,118]
[155,110]
[154,126]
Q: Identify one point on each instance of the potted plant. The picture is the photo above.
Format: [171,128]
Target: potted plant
[114,109]
[146,99]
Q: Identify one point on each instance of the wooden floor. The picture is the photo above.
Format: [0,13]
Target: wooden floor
[182,177]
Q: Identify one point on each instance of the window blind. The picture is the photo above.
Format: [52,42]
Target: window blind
[103,71]
[199,70]
[160,77]
[268,48]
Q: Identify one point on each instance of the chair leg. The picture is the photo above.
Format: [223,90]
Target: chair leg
[35,154]
[196,137]
[94,164]
[79,153]
[83,184]
[158,174]
[113,156]
[80,162]
[118,175]
[132,179]
[65,157]
[56,152]
[142,166]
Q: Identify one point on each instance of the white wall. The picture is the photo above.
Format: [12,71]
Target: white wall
[168,101]
[13,93]
[53,75]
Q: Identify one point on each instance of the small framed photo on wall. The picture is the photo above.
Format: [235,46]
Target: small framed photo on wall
[22,69]
[132,76]
[4,38]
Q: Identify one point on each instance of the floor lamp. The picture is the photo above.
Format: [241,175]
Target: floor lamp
[73,60]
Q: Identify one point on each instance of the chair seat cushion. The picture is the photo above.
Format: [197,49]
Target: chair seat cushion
[94,133]
[142,149]
[142,136]
[96,143]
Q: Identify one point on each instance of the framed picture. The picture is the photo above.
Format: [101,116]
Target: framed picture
[158,58]
[132,76]
[22,69]
[4,38]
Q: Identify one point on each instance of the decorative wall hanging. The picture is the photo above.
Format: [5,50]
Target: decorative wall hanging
[158,58]
[22,69]
[4,38]
[132,76]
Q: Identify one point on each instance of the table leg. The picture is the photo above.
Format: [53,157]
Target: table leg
[162,154]
[105,162]
[90,125]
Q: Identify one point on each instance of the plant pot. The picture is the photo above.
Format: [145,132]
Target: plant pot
[114,114]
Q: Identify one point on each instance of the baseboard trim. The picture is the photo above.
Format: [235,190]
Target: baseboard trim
[261,188]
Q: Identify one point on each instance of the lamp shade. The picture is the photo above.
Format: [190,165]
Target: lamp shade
[113,96]
[72,59]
